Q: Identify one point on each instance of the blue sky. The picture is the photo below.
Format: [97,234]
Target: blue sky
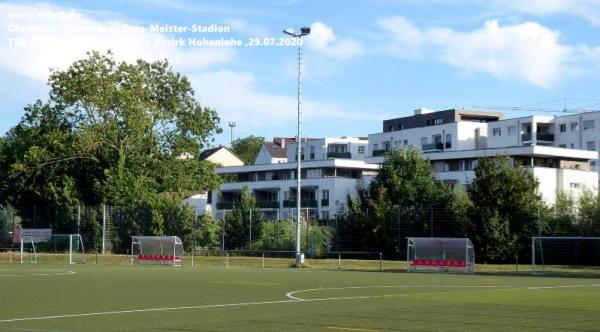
[364,60]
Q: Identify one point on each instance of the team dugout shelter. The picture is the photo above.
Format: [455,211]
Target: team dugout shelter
[430,254]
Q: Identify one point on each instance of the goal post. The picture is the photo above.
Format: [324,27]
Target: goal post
[564,253]
[440,255]
[163,250]
[61,248]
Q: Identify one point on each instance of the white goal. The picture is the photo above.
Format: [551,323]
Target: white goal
[565,254]
[164,250]
[428,254]
[62,248]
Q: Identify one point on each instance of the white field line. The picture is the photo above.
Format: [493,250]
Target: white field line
[290,295]
[65,273]
[241,304]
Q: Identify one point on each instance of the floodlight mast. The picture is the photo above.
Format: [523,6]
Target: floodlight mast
[304,31]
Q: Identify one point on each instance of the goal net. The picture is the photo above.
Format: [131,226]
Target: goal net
[440,255]
[565,254]
[165,250]
[62,248]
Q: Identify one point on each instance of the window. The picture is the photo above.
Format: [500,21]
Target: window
[397,144]
[591,145]
[448,141]
[574,126]
[375,146]
[563,127]
[312,152]
[438,121]
[574,185]
[588,125]
[391,128]
[361,149]
[313,173]
[511,130]
[325,215]
[423,140]
[405,142]
[496,132]
[564,146]
[325,194]
[572,145]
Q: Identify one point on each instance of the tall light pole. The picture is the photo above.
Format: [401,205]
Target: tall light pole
[305,31]
[232,124]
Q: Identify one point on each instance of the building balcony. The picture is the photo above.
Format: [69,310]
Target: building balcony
[325,202]
[432,146]
[267,204]
[539,136]
[339,155]
[224,205]
[545,137]
[377,153]
[306,203]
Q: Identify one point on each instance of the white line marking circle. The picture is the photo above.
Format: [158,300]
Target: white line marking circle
[291,295]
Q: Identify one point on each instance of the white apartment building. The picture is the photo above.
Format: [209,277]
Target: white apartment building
[453,140]
[332,170]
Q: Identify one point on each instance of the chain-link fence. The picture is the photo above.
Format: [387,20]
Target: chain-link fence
[107,229]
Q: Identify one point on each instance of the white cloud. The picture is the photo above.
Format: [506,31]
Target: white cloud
[49,46]
[236,96]
[586,9]
[401,37]
[528,51]
[323,40]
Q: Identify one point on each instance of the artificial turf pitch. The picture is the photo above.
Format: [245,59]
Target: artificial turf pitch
[53,297]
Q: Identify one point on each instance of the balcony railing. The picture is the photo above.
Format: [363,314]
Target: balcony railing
[545,137]
[225,205]
[377,153]
[267,204]
[325,202]
[306,203]
[339,155]
[432,146]
[539,137]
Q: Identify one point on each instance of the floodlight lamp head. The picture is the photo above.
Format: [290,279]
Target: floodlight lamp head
[304,31]
[289,31]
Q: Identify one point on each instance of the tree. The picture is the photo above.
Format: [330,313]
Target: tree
[208,232]
[405,190]
[112,133]
[244,218]
[506,206]
[247,148]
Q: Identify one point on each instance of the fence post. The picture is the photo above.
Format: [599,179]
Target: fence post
[339,261]
[78,217]
[250,232]
[227,259]
[193,250]
[263,259]
[223,231]
[380,260]
[103,228]
[431,222]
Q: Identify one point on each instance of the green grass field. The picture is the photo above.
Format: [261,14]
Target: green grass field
[90,297]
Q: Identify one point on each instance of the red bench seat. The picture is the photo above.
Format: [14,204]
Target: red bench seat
[158,257]
[438,263]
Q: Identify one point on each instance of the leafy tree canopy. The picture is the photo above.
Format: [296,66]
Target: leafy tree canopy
[247,148]
[111,133]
